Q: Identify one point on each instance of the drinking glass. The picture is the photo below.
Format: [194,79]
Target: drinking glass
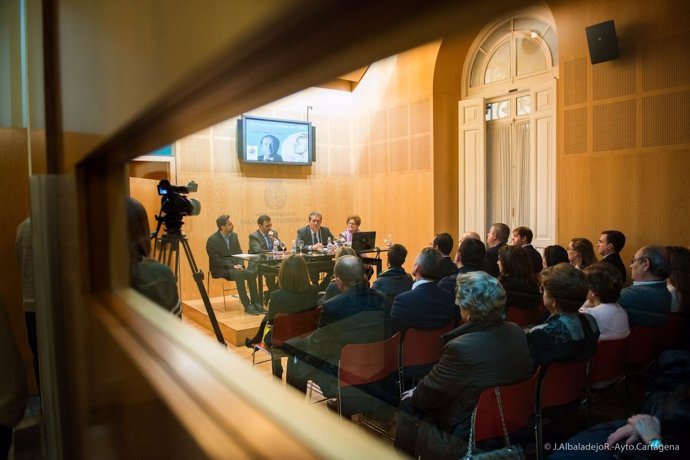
[300,243]
[282,246]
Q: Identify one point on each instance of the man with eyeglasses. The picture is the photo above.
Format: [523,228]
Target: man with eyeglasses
[647,301]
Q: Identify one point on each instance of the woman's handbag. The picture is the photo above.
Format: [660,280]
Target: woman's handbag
[508,452]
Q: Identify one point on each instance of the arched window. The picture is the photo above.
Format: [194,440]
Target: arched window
[514,49]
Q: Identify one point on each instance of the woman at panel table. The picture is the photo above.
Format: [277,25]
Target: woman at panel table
[295,293]
[353,223]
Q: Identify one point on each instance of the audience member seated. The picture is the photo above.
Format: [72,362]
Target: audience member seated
[581,253]
[153,279]
[355,316]
[517,278]
[522,238]
[554,255]
[604,283]
[471,257]
[470,234]
[610,244]
[353,223]
[332,288]
[433,420]
[678,282]
[221,247]
[566,335]
[443,243]
[294,294]
[425,306]
[395,280]
[661,433]
[495,240]
[315,238]
[647,301]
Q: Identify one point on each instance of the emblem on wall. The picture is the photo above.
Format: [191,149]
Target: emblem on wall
[275,195]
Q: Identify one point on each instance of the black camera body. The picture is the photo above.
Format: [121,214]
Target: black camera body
[175,205]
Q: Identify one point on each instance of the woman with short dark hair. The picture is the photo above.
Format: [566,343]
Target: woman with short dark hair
[517,278]
[604,281]
[566,335]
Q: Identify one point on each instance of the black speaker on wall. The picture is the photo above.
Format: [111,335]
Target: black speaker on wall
[603,45]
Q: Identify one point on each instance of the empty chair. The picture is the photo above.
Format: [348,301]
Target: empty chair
[419,351]
[361,367]
[608,362]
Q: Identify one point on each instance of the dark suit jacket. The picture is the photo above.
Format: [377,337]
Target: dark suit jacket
[615,260]
[219,256]
[447,267]
[647,305]
[535,257]
[257,242]
[449,283]
[305,234]
[425,307]
[392,282]
[492,259]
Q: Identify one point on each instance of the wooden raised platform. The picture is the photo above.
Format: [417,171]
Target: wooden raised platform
[235,324]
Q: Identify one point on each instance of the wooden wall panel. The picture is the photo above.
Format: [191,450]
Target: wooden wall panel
[632,173]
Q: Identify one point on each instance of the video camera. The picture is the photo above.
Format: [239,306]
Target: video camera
[174,205]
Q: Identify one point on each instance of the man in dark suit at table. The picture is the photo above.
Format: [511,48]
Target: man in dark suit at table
[611,243]
[495,240]
[315,238]
[522,238]
[443,242]
[262,240]
[220,247]
[425,306]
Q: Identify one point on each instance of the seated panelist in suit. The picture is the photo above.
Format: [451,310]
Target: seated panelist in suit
[425,306]
[315,238]
[220,247]
[263,240]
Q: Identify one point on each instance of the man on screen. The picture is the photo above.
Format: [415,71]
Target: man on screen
[269,148]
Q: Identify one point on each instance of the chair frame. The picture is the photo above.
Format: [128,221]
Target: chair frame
[223,281]
[287,326]
[420,347]
[366,363]
[582,366]
[519,406]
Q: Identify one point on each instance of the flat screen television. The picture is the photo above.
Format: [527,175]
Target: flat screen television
[272,141]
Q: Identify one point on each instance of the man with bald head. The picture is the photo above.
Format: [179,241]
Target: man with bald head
[647,301]
[356,315]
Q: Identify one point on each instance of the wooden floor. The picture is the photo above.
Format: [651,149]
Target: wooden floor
[235,324]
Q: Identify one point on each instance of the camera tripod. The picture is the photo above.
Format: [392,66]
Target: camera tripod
[163,251]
